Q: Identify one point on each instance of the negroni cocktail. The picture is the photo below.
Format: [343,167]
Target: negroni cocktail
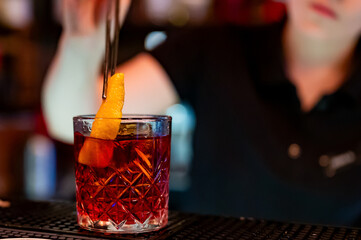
[123,185]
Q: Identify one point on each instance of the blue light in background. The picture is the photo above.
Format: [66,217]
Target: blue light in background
[40,168]
[153,39]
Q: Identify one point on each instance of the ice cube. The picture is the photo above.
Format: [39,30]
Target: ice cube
[139,129]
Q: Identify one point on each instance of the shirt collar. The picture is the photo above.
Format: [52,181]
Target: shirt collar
[273,75]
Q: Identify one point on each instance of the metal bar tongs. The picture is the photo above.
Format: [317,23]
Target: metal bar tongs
[111,45]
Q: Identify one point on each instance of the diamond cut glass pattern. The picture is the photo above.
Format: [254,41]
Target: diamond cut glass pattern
[131,193]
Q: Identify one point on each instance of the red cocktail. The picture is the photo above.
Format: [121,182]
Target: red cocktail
[124,187]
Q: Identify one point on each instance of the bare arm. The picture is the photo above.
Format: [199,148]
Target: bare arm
[148,89]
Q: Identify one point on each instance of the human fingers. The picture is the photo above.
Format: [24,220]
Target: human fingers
[81,17]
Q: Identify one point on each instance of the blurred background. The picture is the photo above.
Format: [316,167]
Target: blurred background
[35,166]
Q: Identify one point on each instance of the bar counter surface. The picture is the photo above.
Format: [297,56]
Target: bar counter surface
[57,220]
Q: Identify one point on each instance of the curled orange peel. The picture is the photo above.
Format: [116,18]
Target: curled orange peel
[96,152]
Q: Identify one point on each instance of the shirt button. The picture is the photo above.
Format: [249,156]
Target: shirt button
[324,161]
[294,151]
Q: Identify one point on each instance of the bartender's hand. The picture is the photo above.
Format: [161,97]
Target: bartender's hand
[83,17]
[84,21]
[86,17]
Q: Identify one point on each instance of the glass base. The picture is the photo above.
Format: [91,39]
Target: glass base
[111,227]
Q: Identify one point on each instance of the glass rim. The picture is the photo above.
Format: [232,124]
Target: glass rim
[125,117]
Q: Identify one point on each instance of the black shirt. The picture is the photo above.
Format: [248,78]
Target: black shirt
[256,153]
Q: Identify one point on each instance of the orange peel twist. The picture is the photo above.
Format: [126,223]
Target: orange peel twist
[96,152]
